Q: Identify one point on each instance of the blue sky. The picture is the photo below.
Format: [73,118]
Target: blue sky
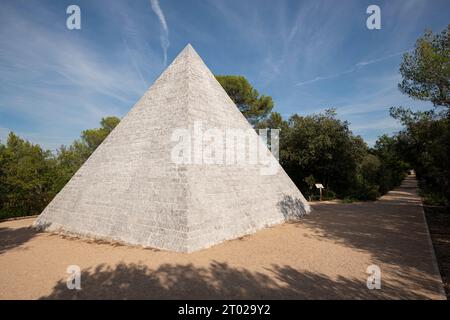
[308,55]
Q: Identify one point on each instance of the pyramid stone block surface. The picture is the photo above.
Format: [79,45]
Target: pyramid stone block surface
[130,190]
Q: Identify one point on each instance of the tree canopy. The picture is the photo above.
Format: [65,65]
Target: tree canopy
[426,72]
[320,148]
[94,137]
[423,142]
[26,176]
[254,107]
[30,176]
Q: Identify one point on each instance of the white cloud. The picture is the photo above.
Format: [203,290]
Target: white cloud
[386,124]
[320,78]
[368,62]
[59,82]
[356,67]
[54,69]
[164,28]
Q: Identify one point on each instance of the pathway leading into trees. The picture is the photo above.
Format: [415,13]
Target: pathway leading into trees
[323,256]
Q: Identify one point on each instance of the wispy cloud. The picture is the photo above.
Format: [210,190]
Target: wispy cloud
[58,82]
[55,82]
[326,77]
[365,63]
[385,124]
[356,67]
[53,66]
[51,142]
[164,37]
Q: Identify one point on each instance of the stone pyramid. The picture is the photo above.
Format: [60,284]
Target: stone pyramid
[130,190]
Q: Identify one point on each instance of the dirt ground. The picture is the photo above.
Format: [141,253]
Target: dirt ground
[324,256]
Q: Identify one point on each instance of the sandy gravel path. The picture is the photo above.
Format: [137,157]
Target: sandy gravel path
[324,256]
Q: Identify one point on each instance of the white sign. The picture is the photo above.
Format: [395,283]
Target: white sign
[319,186]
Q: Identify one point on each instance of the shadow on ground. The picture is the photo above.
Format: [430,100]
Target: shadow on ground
[11,238]
[438,219]
[291,208]
[218,281]
[391,229]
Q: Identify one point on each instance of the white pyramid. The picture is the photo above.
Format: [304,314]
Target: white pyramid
[130,189]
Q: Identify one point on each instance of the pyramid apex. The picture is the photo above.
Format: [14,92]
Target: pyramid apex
[188,54]
[188,49]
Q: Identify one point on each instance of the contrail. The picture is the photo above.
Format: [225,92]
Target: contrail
[164,37]
[365,63]
[351,70]
[330,76]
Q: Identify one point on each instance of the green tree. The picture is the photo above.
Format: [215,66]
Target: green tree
[30,176]
[392,167]
[27,177]
[92,138]
[423,143]
[254,107]
[3,189]
[323,147]
[367,186]
[426,72]
[70,159]
[273,121]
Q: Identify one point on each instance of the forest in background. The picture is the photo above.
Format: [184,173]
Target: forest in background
[318,148]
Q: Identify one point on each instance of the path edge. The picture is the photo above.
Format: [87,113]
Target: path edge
[18,218]
[433,251]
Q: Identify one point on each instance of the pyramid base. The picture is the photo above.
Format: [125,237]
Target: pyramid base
[169,242]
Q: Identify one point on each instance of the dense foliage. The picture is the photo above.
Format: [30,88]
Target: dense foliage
[424,141]
[253,106]
[426,72]
[424,144]
[30,176]
[26,177]
[70,159]
[320,148]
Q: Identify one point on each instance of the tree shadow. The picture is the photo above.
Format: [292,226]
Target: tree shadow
[390,237]
[292,208]
[391,229]
[11,238]
[217,281]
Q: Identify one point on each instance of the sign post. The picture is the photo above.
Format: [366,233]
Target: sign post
[320,187]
